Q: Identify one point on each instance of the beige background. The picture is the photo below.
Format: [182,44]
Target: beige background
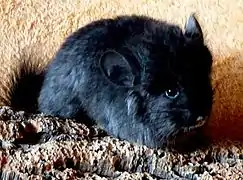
[36,28]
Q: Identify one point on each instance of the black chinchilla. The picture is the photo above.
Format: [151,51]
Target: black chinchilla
[140,79]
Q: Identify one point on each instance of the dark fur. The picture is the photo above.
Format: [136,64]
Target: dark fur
[143,110]
[26,87]
[24,82]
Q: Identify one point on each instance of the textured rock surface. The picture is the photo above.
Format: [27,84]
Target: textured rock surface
[39,147]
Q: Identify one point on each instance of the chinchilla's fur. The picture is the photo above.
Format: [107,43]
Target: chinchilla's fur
[140,79]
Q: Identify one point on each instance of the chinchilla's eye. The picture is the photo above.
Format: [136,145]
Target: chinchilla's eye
[172,93]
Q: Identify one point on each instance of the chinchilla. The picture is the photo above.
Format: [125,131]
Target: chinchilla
[140,79]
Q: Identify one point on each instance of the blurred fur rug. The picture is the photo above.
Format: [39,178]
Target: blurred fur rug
[32,30]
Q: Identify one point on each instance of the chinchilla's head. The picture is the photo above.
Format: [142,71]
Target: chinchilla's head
[166,72]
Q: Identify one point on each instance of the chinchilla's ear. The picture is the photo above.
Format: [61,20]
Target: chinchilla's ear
[193,29]
[118,69]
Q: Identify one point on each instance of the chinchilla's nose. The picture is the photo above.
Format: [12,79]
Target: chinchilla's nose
[196,121]
[190,119]
[199,118]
